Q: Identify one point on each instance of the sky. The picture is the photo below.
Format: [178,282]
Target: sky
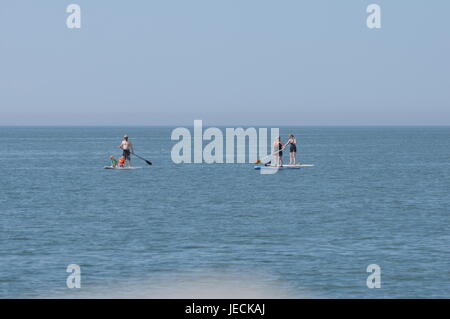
[226,62]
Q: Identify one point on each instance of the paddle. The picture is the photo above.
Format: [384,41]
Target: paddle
[148,162]
[268,156]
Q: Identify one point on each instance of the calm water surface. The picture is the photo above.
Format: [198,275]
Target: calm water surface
[377,195]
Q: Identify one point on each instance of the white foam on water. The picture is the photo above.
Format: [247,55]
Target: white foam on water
[190,286]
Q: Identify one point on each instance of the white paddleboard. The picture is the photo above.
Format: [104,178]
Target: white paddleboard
[122,168]
[297,166]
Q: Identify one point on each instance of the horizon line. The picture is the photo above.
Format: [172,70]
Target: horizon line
[220,125]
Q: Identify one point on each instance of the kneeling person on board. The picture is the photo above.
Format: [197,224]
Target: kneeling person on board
[122,161]
[127,148]
[113,161]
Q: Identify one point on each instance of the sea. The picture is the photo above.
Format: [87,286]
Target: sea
[371,219]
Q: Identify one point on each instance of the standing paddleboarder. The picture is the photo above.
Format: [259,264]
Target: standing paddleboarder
[278,152]
[293,149]
[127,148]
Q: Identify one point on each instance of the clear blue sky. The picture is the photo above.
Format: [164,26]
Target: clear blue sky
[245,62]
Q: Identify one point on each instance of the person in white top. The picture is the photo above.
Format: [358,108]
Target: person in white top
[127,148]
[278,152]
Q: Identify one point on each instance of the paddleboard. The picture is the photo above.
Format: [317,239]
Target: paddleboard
[122,168]
[298,166]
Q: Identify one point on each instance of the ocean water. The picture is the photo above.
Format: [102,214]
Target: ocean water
[377,195]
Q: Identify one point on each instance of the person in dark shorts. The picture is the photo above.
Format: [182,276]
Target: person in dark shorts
[292,141]
[126,154]
[127,148]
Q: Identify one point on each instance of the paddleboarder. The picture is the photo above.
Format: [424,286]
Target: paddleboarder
[278,151]
[127,148]
[113,161]
[292,141]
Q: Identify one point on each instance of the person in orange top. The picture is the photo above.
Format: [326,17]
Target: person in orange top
[122,161]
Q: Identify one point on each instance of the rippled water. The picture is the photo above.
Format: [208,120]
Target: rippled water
[377,195]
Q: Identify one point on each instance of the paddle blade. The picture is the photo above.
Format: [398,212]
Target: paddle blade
[148,162]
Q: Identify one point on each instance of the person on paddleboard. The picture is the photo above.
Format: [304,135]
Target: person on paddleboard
[292,141]
[127,148]
[113,161]
[278,151]
[122,162]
